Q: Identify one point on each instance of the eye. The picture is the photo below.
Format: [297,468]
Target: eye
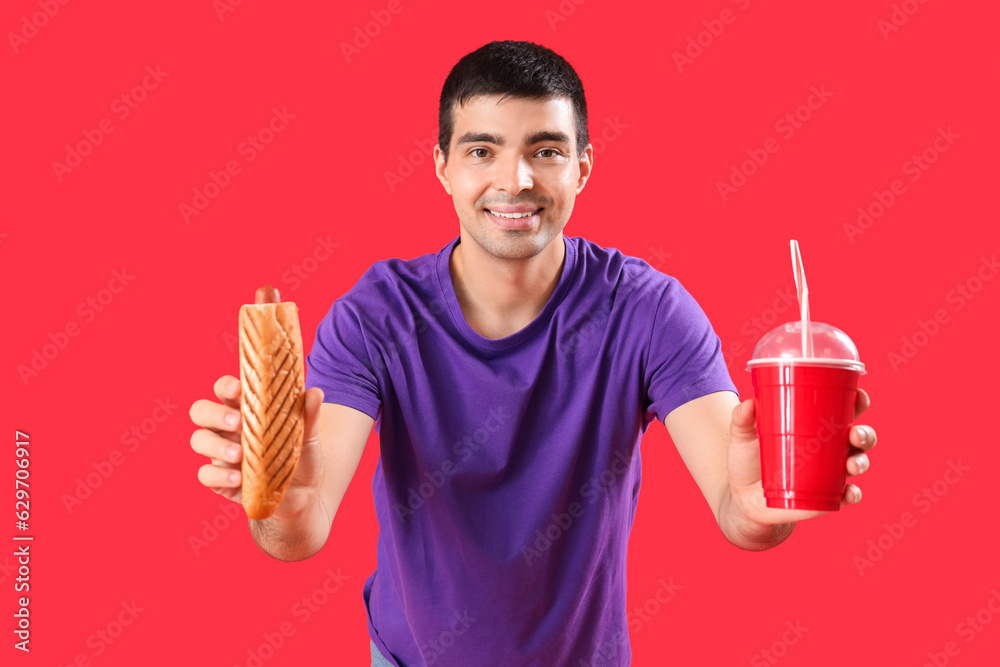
[476,150]
[555,152]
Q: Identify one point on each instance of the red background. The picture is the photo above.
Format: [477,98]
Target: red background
[671,134]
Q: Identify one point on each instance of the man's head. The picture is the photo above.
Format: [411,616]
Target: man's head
[511,69]
[513,137]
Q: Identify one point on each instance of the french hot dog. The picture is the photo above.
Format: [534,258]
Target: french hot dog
[272,379]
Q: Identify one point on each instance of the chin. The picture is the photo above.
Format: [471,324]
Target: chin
[518,245]
[509,243]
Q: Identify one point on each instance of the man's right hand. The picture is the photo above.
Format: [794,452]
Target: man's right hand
[219,440]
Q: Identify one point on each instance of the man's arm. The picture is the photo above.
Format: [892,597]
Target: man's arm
[700,430]
[302,524]
[716,436]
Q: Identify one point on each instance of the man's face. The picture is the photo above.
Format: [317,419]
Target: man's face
[513,156]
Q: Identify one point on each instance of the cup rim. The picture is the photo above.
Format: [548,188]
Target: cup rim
[808,361]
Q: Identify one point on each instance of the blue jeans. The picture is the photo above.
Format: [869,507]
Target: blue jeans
[377,659]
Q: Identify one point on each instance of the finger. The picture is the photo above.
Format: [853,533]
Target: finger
[858,464]
[744,424]
[863,402]
[862,437]
[227,389]
[216,447]
[216,477]
[852,495]
[209,414]
[314,399]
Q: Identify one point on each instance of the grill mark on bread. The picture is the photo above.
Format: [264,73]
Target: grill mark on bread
[274,474]
[273,403]
[285,479]
[282,365]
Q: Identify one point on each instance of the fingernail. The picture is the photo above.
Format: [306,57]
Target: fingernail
[231,452]
[863,463]
[234,477]
[233,418]
[863,434]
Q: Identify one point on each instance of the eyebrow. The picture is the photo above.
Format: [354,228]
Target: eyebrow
[530,139]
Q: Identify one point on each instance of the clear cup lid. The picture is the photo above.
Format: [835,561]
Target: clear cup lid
[783,344]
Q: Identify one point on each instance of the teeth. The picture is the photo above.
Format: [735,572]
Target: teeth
[513,215]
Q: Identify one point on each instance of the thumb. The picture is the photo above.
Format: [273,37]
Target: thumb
[309,470]
[744,424]
[744,450]
[314,399]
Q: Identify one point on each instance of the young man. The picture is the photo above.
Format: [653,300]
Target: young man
[511,376]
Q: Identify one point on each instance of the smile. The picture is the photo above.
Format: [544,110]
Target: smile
[514,215]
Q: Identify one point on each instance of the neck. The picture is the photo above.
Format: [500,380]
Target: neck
[502,296]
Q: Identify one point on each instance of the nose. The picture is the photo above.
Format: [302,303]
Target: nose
[513,174]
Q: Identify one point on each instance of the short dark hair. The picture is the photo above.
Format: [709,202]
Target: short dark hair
[514,69]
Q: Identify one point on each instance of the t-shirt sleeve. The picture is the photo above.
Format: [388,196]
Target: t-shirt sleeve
[340,364]
[685,358]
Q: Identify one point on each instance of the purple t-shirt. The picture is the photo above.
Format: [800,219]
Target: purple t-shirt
[509,469]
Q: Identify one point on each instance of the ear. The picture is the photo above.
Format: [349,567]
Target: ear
[586,166]
[441,168]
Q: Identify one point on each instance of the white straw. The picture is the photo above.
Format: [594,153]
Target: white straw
[803,291]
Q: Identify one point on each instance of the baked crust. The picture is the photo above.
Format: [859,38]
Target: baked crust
[272,379]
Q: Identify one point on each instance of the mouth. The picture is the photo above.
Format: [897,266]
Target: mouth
[515,220]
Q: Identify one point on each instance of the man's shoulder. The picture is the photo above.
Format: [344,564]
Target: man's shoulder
[629,275]
[393,275]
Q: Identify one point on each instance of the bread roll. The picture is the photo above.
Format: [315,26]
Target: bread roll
[272,379]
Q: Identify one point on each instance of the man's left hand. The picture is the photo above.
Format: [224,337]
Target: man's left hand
[744,465]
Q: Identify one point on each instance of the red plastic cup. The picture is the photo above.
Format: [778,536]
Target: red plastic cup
[804,406]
